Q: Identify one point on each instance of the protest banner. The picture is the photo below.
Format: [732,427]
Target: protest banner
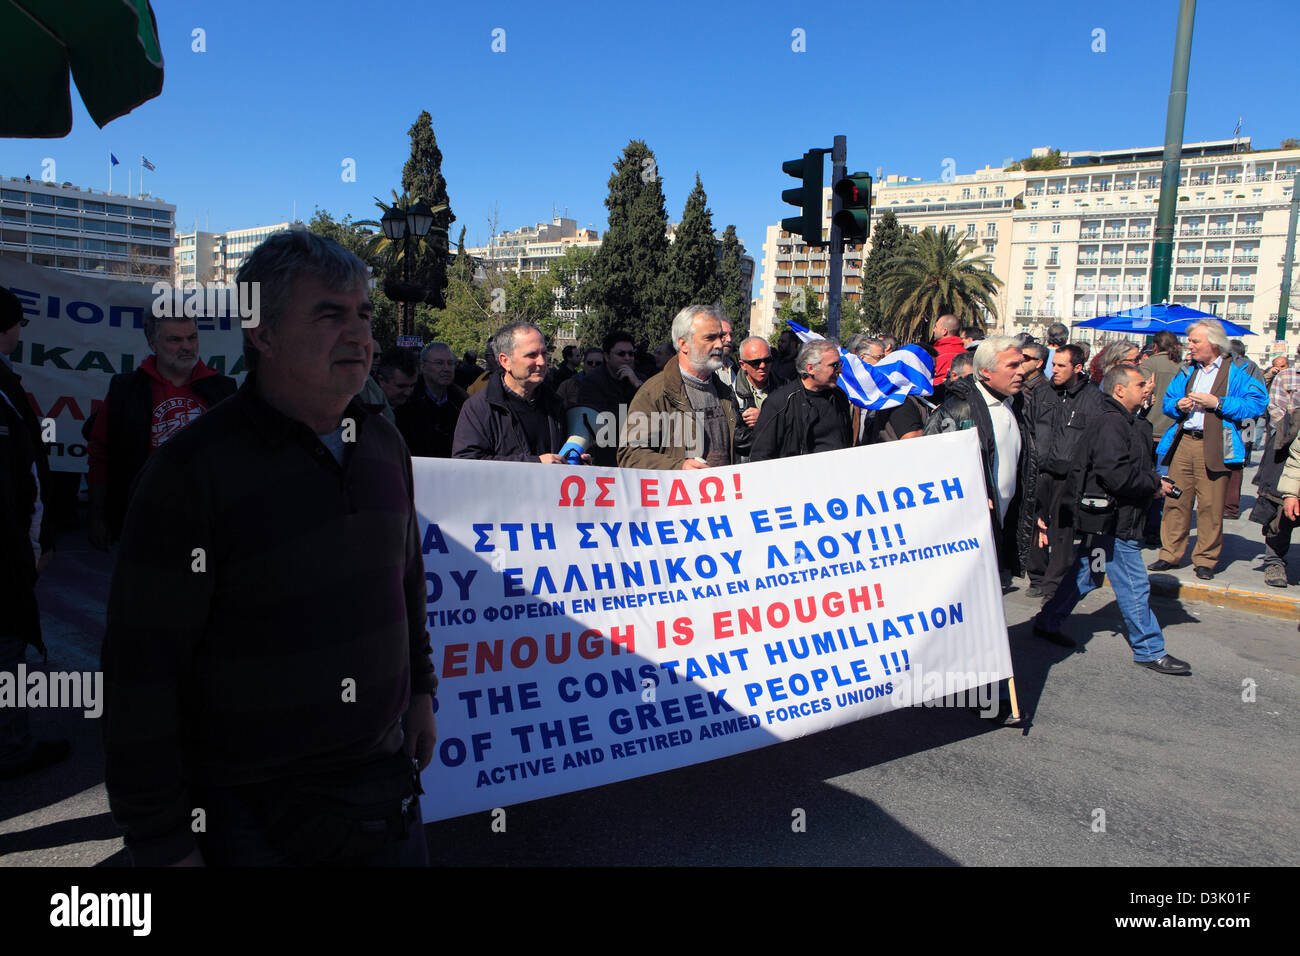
[595,624]
[82,331]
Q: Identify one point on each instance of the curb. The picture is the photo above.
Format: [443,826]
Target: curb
[1282,606]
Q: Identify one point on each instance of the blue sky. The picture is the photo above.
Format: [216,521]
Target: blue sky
[287,90]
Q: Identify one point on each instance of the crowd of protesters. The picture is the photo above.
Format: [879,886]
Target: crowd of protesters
[1077,456]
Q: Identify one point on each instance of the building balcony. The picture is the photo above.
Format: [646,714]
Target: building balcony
[1087,260]
[1033,192]
[1094,234]
[1216,258]
[1241,288]
[1219,231]
[1189,232]
[1136,261]
[1188,261]
[1112,260]
[1249,230]
[1030,263]
[1078,189]
[1053,261]
[1024,313]
[1139,233]
[1245,259]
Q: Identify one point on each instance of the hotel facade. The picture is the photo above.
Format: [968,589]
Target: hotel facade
[1075,242]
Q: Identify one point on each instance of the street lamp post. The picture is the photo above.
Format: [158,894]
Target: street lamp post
[416,220]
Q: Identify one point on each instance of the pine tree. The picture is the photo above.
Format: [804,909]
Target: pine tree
[731,279]
[887,241]
[422,179]
[693,256]
[626,287]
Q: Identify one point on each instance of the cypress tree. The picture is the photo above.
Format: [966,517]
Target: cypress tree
[422,179]
[693,256]
[626,281]
[731,280]
[887,241]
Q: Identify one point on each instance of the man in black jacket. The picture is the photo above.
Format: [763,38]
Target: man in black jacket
[989,401]
[1062,414]
[754,383]
[1109,489]
[26,545]
[428,419]
[517,417]
[810,414]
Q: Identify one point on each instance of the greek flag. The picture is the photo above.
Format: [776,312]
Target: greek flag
[148,165]
[908,370]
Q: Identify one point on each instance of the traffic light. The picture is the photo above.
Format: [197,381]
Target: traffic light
[854,217]
[808,197]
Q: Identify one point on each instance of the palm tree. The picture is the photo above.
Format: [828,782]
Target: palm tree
[937,274]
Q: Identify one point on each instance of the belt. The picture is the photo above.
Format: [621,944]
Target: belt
[1194,433]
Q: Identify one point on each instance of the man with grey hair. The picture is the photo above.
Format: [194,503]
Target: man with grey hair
[684,417]
[271,556]
[808,415]
[889,342]
[1209,401]
[1112,483]
[990,402]
[427,420]
[517,417]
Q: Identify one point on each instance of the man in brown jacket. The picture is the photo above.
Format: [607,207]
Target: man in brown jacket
[684,417]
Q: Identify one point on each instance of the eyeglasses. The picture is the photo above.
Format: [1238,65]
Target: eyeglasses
[595,364]
[757,362]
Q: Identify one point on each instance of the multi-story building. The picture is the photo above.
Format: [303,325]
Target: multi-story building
[217,256]
[76,229]
[1074,242]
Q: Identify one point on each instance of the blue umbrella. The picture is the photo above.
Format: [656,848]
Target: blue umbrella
[1150,319]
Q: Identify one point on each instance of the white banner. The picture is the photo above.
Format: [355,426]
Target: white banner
[595,624]
[82,332]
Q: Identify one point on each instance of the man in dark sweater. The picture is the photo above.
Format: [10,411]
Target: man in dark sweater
[266,663]
[810,414]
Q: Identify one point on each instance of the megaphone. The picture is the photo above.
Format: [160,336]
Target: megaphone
[581,423]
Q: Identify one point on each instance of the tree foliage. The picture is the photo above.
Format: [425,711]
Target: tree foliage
[887,241]
[731,281]
[422,179]
[693,255]
[1289,143]
[627,278]
[936,274]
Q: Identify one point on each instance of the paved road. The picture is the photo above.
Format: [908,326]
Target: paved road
[1186,772]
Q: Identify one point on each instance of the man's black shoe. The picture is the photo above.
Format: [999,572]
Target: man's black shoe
[1056,637]
[1161,565]
[1204,574]
[47,753]
[1033,591]
[1167,665]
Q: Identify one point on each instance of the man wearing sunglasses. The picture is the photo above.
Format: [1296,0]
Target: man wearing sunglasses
[753,385]
[808,415]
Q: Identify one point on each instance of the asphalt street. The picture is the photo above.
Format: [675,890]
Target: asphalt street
[1119,766]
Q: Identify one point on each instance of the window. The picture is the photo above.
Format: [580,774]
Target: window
[93,225]
[1051,280]
[90,206]
[39,199]
[997,190]
[10,215]
[68,222]
[1029,280]
[1056,228]
[1033,228]
[40,239]
[13,195]
[65,202]
[1056,204]
[983,191]
[41,219]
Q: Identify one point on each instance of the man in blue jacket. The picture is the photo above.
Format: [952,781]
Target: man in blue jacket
[1208,401]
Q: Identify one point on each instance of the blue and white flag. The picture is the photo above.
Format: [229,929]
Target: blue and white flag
[908,370]
[114,160]
[147,165]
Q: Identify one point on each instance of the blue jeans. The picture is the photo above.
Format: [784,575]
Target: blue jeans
[16,741]
[1128,577]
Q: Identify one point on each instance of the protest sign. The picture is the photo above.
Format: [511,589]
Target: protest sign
[595,624]
[83,331]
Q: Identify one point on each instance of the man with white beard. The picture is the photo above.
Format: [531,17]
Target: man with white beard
[684,417]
